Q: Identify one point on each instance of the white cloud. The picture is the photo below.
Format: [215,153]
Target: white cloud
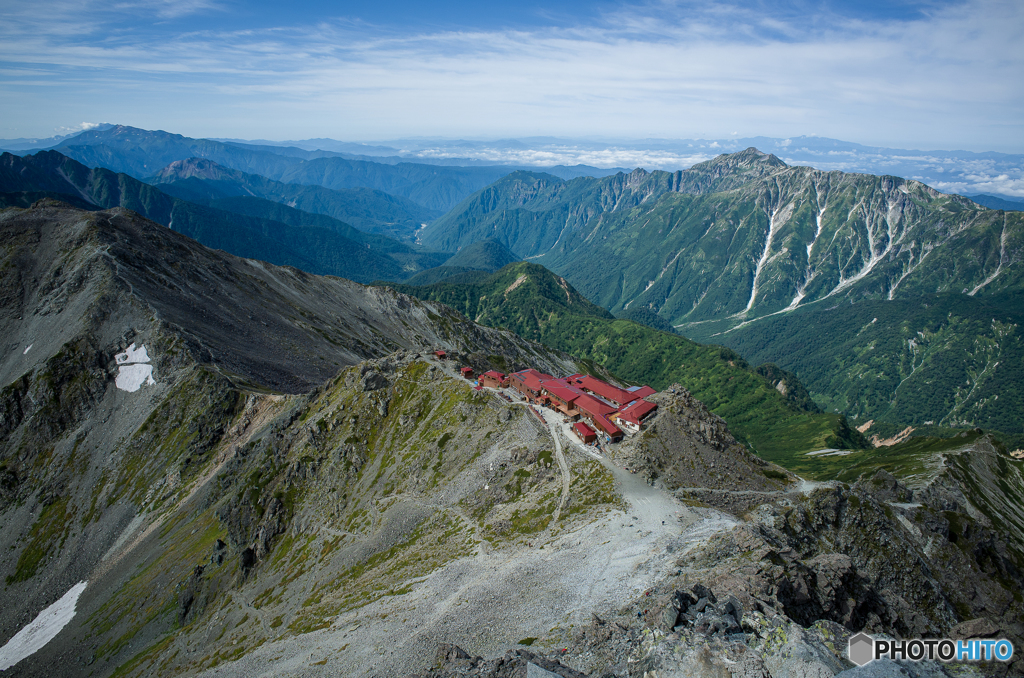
[663,69]
[81,127]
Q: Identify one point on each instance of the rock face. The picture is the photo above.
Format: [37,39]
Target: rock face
[780,594]
[453,661]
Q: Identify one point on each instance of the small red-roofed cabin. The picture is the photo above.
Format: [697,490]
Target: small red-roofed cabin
[467,372]
[493,379]
[441,355]
[632,417]
[586,434]
[608,428]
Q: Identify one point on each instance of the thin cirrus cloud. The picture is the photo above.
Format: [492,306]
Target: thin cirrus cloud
[944,76]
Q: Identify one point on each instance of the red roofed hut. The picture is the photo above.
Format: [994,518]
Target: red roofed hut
[605,390]
[609,429]
[562,397]
[632,417]
[494,379]
[441,355]
[467,372]
[641,391]
[586,434]
[592,407]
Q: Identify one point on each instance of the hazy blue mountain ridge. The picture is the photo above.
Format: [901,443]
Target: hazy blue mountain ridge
[141,153]
[367,209]
[311,247]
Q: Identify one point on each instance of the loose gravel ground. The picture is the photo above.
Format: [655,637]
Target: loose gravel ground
[490,601]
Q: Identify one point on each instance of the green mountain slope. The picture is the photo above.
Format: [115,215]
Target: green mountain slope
[536,304]
[742,236]
[202,180]
[141,153]
[484,255]
[446,274]
[313,249]
[936,360]
[744,240]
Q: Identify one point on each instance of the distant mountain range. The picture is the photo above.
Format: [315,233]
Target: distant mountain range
[142,153]
[997,203]
[204,181]
[784,264]
[950,171]
[245,226]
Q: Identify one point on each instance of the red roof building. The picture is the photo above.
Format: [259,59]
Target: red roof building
[562,397]
[493,379]
[592,407]
[605,390]
[609,429]
[641,391]
[586,434]
[467,372]
[633,416]
[528,382]
[441,355]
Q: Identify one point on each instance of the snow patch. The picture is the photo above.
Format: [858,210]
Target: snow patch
[27,348]
[42,629]
[131,377]
[132,372]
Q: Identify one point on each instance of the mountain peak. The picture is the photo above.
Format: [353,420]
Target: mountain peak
[749,158]
[192,167]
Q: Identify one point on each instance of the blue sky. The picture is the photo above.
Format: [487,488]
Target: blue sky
[928,75]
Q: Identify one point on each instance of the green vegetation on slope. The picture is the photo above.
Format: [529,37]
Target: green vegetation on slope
[485,255]
[531,301]
[949,360]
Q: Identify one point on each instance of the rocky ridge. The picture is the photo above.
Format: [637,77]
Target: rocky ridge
[780,593]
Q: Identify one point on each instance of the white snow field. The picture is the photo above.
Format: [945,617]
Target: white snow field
[42,629]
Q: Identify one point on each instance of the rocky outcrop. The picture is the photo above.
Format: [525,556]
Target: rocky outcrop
[684,445]
[453,661]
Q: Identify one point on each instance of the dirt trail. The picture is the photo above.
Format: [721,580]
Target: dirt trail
[562,465]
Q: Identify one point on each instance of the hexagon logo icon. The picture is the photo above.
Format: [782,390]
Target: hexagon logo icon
[861,649]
